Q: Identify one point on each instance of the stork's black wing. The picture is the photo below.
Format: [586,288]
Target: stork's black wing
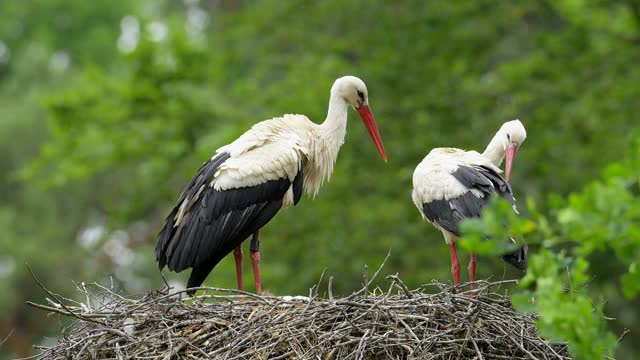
[216,221]
[449,213]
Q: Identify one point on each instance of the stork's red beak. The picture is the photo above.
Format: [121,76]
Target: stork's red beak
[511,154]
[370,123]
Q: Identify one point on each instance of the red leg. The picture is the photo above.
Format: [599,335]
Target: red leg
[237,254]
[455,265]
[472,270]
[255,260]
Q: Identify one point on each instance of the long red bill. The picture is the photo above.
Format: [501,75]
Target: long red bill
[511,154]
[370,123]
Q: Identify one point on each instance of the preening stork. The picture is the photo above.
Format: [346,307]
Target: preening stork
[450,185]
[244,185]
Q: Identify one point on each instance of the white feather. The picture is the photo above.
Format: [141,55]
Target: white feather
[270,150]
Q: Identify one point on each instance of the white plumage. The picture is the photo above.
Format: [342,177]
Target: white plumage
[248,181]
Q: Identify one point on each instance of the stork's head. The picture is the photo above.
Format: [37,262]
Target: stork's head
[513,135]
[354,92]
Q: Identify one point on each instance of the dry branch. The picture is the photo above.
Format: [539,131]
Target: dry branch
[228,324]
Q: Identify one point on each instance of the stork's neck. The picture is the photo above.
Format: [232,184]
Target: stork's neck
[496,149]
[330,137]
[334,128]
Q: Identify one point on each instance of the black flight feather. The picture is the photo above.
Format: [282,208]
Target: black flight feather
[298,181]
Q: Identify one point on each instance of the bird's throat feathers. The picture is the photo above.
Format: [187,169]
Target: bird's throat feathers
[329,139]
[496,150]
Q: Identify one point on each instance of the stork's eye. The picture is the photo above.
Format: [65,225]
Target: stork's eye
[361,95]
[509,137]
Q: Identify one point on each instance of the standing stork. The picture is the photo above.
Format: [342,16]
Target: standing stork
[244,185]
[451,184]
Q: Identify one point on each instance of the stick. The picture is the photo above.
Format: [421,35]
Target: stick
[365,280]
[60,302]
[374,276]
[330,288]
[7,337]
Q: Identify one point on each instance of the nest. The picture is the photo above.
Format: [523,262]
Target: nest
[395,323]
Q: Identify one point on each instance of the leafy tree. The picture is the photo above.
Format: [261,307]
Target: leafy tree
[42,44]
[602,217]
[126,129]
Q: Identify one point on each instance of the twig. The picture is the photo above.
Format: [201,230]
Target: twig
[330,288]
[365,280]
[475,346]
[313,292]
[59,301]
[401,285]
[166,283]
[519,345]
[624,333]
[7,337]
[374,275]
[184,343]
[359,350]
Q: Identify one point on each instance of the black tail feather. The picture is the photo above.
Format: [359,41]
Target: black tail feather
[517,258]
[198,275]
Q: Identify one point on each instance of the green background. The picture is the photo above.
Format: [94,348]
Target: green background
[108,108]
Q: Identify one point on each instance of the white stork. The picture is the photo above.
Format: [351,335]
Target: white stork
[248,181]
[452,184]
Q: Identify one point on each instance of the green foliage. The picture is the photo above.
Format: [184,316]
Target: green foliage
[602,216]
[502,222]
[606,214]
[566,314]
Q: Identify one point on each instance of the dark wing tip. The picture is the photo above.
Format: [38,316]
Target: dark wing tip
[298,183]
[440,212]
[471,178]
[168,233]
[449,213]
[518,258]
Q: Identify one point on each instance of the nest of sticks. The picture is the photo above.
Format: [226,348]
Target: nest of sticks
[431,322]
